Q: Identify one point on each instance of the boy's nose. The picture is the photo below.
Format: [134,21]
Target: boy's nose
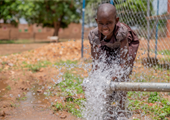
[105,26]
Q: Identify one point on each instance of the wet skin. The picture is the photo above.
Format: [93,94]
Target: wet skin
[106,21]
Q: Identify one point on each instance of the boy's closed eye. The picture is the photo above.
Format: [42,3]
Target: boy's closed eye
[108,23]
[100,23]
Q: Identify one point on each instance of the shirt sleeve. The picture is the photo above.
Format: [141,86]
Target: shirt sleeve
[93,37]
[133,45]
[90,37]
[122,33]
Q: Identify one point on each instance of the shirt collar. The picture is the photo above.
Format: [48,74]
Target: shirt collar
[117,26]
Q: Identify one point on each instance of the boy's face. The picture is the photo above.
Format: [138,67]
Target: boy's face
[106,23]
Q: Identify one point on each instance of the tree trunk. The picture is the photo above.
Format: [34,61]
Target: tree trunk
[56,28]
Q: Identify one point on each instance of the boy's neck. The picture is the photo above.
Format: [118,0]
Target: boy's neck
[109,36]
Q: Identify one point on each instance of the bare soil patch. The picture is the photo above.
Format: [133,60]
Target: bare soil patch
[6,49]
[22,96]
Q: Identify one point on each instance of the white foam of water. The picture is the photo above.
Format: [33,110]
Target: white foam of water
[96,91]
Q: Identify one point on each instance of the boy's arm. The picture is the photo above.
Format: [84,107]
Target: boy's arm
[94,48]
[124,53]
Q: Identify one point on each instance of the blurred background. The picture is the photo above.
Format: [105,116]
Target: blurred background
[23,21]
[45,55]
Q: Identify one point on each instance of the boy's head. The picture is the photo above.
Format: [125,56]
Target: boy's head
[106,19]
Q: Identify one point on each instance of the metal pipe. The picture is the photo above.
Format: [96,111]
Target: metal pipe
[140,86]
[82,35]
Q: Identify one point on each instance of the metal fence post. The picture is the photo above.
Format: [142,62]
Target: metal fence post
[157,30]
[111,2]
[148,25]
[82,36]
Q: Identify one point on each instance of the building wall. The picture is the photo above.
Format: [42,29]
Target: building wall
[25,31]
[72,32]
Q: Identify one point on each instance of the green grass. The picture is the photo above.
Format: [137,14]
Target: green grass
[164,52]
[67,63]
[70,106]
[8,87]
[162,68]
[7,41]
[13,104]
[37,66]
[21,41]
[21,98]
[58,106]
[151,104]
[70,87]
[27,41]
[71,83]
[3,66]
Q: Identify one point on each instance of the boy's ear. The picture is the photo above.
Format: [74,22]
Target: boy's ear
[96,19]
[117,19]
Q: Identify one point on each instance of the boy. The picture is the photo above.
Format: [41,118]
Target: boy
[113,41]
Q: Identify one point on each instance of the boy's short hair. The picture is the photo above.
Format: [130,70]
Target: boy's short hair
[106,8]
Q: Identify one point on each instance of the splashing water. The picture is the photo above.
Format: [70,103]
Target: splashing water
[101,102]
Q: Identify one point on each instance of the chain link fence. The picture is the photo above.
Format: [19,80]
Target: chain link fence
[150,19]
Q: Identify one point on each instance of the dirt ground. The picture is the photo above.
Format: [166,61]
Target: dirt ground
[6,49]
[20,93]
[163,44]
[19,102]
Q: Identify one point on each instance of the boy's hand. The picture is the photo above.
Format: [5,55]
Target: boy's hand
[114,78]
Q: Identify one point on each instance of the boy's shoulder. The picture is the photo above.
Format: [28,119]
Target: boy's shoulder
[94,36]
[121,31]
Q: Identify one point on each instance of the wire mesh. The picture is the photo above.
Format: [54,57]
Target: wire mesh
[151,24]
[150,19]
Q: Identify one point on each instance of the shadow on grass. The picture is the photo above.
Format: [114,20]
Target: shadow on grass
[154,62]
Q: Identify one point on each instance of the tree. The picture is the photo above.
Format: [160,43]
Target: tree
[52,13]
[9,11]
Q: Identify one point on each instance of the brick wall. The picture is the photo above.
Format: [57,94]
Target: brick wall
[14,33]
[25,31]
[4,34]
[42,35]
[72,32]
